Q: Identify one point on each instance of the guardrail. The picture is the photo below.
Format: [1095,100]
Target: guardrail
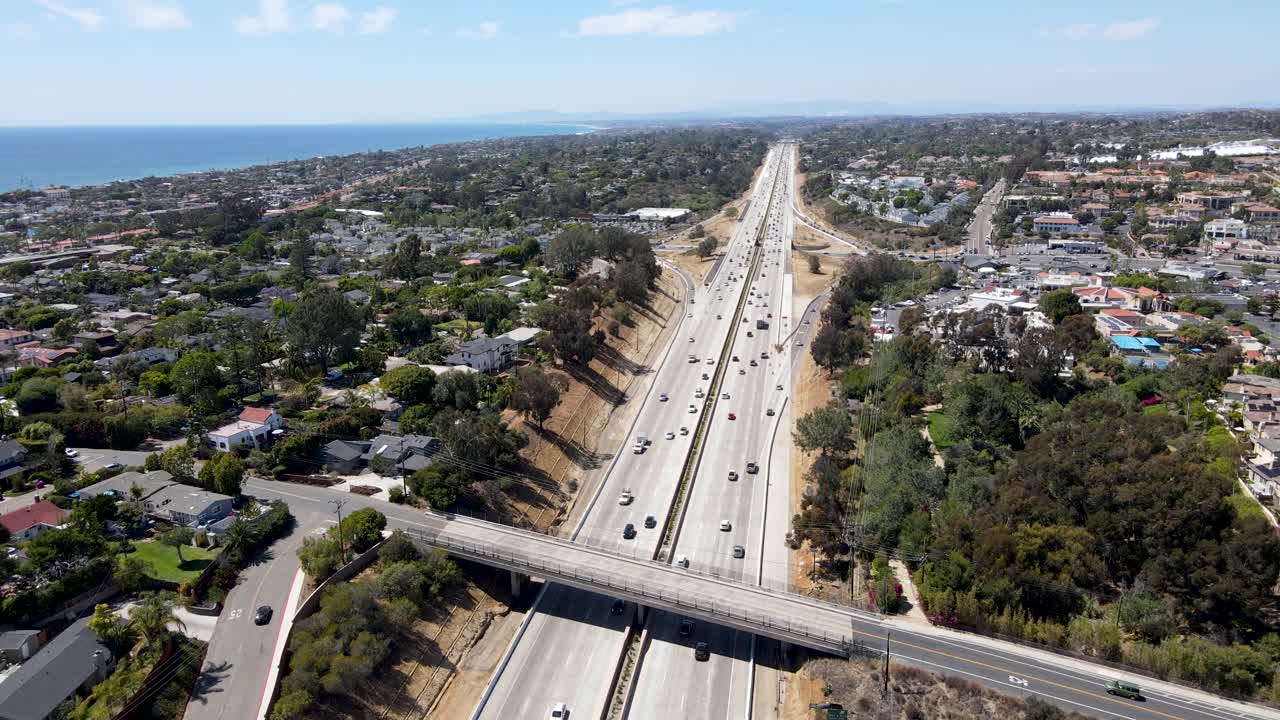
[760,623]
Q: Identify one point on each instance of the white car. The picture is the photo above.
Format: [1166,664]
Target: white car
[670,435]
[71,452]
[625,497]
[693,409]
[724,396]
[559,711]
[725,526]
[682,561]
[684,431]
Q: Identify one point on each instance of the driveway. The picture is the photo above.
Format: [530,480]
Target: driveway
[92,459]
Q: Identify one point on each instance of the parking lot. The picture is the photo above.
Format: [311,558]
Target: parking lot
[96,458]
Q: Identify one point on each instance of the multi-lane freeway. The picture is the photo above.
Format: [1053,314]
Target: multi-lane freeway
[669,418]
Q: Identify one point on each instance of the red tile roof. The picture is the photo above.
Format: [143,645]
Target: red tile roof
[40,512]
[257,415]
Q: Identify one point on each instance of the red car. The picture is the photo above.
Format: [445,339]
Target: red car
[732,416]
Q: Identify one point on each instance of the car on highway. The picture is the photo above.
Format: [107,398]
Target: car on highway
[739,552]
[662,397]
[650,521]
[686,628]
[724,396]
[693,409]
[629,531]
[733,475]
[701,652]
[711,361]
[754,363]
[732,416]
[670,435]
[725,526]
[778,387]
[769,412]
[559,711]
[71,452]
[263,615]
[684,430]
[625,497]
[699,394]
[618,605]
[1124,690]
[682,561]
[706,376]
[112,466]
[752,468]
[764,356]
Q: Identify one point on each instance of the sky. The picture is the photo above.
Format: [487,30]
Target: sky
[120,62]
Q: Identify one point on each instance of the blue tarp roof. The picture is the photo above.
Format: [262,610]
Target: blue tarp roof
[1125,342]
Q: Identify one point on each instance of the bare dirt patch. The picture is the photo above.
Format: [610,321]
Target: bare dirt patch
[570,446]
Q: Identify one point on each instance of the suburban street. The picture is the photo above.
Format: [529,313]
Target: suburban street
[978,241]
[236,664]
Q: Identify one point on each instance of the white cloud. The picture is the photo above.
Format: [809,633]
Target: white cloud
[378,20]
[87,18]
[272,17]
[1129,30]
[487,30]
[663,20]
[330,17]
[157,16]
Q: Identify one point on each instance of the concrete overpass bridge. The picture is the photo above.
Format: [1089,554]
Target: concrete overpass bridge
[783,616]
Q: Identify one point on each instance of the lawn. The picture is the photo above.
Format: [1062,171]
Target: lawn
[1245,506]
[940,430]
[163,560]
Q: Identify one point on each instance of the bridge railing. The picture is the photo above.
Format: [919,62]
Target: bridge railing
[526,563]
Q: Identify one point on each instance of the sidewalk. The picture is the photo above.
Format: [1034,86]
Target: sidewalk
[915,613]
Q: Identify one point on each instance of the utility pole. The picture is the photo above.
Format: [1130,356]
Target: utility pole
[337,504]
[887,636]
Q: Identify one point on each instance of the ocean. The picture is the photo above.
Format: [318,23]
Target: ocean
[33,158]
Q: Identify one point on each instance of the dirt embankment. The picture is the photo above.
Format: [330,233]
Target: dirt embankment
[913,694]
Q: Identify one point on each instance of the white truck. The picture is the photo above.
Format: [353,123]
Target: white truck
[642,442]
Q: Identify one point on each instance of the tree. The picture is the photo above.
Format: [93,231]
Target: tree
[319,557]
[224,473]
[177,538]
[826,429]
[409,327]
[178,461]
[397,548]
[1254,271]
[707,246]
[815,265]
[570,250]
[537,393]
[323,327]
[361,529]
[110,629]
[131,573]
[155,383]
[197,381]
[37,395]
[410,384]
[152,616]
[439,486]
[1060,304]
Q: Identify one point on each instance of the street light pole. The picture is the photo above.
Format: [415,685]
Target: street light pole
[342,548]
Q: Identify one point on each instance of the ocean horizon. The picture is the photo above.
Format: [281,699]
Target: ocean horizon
[76,156]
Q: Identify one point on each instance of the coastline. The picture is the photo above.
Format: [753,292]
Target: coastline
[96,156]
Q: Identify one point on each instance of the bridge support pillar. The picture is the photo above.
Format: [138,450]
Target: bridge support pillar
[517,583]
[786,651]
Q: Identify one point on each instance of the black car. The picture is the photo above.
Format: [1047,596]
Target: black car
[263,616]
[650,521]
[686,628]
[618,607]
[701,652]
[629,531]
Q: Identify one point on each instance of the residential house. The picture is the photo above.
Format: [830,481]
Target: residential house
[1119,321]
[1143,299]
[73,662]
[386,454]
[485,354]
[164,498]
[18,645]
[12,457]
[254,426]
[44,357]
[146,357]
[356,297]
[26,523]
[1140,351]
[1264,466]
[11,339]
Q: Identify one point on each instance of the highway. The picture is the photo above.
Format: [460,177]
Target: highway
[671,682]
[527,686]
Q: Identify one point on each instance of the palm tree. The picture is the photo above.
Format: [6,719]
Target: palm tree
[238,536]
[152,617]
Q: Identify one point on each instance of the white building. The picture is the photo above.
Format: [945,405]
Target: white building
[659,214]
[1226,229]
[254,427]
